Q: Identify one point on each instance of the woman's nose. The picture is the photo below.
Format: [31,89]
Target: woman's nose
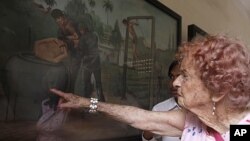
[177,82]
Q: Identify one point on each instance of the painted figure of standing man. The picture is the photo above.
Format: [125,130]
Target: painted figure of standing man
[69,33]
[130,25]
[90,61]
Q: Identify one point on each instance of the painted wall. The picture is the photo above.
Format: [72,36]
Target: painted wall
[214,16]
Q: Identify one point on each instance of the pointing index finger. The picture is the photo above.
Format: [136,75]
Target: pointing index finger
[59,93]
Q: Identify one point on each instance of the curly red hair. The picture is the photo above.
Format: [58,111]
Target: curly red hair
[223,65]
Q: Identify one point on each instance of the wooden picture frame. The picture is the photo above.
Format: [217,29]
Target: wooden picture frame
[194,30]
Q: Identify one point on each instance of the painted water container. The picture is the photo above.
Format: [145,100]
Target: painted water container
[28,80]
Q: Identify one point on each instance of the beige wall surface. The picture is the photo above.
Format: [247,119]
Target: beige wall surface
[214,16]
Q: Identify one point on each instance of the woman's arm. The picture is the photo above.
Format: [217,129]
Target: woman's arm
[163,123]
[169,123]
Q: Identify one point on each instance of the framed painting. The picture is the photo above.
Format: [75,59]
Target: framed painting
[117,51]
[195,31]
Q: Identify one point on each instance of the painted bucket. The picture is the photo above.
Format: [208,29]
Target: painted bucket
[28,80]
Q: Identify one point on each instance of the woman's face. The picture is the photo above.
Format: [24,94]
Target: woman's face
[175,72]
[191,92]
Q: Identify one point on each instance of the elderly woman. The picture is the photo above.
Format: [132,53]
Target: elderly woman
[213,89]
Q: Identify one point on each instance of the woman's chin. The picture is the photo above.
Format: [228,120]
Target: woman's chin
[180,102]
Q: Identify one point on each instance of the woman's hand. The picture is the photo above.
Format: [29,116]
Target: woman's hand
[69,100]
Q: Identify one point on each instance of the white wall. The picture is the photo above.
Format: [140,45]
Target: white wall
[214,16]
